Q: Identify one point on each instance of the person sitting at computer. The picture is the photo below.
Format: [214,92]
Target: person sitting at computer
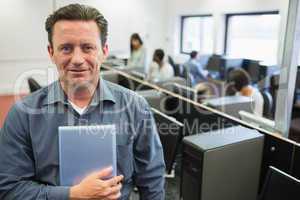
[137,52]
[159,70]
[197,71]
[242,84]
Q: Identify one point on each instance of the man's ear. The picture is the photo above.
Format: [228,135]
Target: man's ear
[105,51]
[50,52]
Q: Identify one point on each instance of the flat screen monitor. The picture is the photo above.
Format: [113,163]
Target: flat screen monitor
[253,69]
[231,105]
[279,186]
[170,133]
[214,63]
[298,79]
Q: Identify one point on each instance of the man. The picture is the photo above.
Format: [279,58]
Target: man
[29,160]
[196,69]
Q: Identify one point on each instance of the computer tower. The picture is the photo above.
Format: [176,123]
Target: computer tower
[222,165]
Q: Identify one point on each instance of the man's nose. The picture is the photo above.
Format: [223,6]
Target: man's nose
[77,57]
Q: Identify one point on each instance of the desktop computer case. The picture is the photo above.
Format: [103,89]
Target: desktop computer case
[215,168]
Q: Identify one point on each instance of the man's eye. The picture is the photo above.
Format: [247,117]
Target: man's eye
[88,48]
[66,49]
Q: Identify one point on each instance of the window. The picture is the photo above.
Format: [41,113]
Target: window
[197,34]
[253,36]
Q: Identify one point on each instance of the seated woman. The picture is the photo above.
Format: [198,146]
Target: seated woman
[242,84]
[137,52]
[159,70]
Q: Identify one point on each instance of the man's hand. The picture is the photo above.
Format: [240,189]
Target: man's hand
[94,187]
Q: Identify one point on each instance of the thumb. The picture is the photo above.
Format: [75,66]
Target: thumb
[104,173]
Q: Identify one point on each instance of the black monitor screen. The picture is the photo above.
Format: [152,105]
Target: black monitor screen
[214,63]
[280,186]
[170,133]
[254,71]
[298,79]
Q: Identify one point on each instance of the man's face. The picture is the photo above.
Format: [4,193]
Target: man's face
[77,52]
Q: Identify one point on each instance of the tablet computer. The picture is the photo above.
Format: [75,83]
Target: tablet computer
[84,150]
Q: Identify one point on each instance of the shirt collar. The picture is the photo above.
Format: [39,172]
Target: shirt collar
[102,93]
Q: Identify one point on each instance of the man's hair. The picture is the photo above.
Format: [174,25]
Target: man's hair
[240,78]
[193,54]
[75,12]
[159,54]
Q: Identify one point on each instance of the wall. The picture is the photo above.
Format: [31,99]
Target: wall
[23,38]
[24,41]
[177,8]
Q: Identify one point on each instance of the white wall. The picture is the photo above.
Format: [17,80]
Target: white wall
[218,9]
[128,16]
[23,38]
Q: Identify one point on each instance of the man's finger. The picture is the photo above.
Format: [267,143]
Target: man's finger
[104,173]
[114,196]
[115,189]
[115,180]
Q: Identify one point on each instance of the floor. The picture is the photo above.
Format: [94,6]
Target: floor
[171,188]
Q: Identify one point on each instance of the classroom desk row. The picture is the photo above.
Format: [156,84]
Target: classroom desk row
[278,151]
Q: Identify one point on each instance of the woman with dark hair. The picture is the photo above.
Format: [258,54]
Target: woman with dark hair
[137,52]
[160,70]
[242,84]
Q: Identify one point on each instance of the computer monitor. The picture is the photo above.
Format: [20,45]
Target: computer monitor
[203,59]
[298,78]
[254,69]
[171,134]
[197,119]
[232,64]
[280,186]
[257,121]
[215,63]
[297,86]
[231,105]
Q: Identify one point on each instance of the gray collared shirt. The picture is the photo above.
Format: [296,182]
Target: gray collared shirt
[29,159]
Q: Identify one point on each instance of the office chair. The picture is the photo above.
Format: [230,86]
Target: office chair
[187,76]
[268,103]
[33,85]
[279,185]
[176,67]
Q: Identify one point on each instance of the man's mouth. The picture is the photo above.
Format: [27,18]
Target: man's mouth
[77,70]
[76,73]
